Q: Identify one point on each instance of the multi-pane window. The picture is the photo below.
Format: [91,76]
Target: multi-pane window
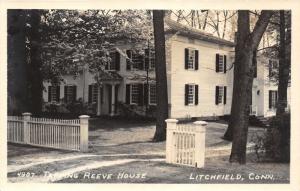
[53,94]
[95,91]
[137,61]
[221,94]
[191,94]
[70,93]
[149,58]
[191,59]
[273,65]
[221,63]
[152,94]
[134,94]
[111,65]
[272,99]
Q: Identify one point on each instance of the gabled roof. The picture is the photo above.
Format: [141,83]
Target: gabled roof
[109,76]
[173,27]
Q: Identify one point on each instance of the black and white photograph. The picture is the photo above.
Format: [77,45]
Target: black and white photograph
[149,96]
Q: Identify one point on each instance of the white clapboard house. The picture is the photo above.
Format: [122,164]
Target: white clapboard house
[199,75]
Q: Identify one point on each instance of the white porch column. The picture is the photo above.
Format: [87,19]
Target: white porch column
[99,101]
[112,113]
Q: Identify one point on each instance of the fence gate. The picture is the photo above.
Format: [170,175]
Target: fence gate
[185,144]
[51,133]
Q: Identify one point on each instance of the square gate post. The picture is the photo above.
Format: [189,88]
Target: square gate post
[200,143]
[26,130]
[170,148]
[84,132]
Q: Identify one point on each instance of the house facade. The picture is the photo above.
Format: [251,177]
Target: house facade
[199,75]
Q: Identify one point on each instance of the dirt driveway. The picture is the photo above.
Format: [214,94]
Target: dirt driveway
[122,152]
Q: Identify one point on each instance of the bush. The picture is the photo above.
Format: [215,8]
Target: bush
[274,143]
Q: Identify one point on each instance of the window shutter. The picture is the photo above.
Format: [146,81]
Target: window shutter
[186,94]
[116,96]
[276,97]
[225,61]
[196,94]
[49,93]
[141,96]
[225,92]
[270,68]
[270,99]
[147,59]
[217,62]
[90,93]
[196,59]
[128,93]
[117,60]
[186,58]
[57,93]
[217,95]
[141,62]
[101,94]
[74,93]
[65,94]
[128,60]
[146,94]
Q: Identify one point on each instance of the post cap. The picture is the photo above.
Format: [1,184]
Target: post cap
[84,116]
[171,120]
[26,114]
[202,123]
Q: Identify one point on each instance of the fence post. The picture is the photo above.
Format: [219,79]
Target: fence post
[26,119]
[84,132]
[171,126]
[200,143]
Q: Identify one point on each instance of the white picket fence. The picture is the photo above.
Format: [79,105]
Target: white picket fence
[50,133]
[185,144]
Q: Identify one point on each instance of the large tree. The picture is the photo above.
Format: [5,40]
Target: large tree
[247,42]
[161,75]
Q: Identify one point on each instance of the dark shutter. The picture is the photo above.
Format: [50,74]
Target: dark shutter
[141,62]
[101,94]
[109,98]
[196,94]
[225,92]
[65,94]
[146,94]
[127,93]
[49,93]
[270,99]
[270,68]
[90,93]
[186,58]
[116,97]
[225,61]
[217,95]
[128,60]
[186,94]
[147,59]
[74,93]
[217,62]
[57,93]
[196,59]
[141,94]
[117,60]
[276,97]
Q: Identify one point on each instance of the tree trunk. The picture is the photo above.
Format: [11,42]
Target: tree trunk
[243,79]
[35,79]
[16,59]
[161,76]
[283,75]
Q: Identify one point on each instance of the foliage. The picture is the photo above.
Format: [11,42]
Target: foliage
[74,40]
[274,144]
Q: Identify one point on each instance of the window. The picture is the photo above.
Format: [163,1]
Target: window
[135,60]
[221,94]
[149,59]
[272,99]
[70,93]
[221,63]
[273,65]
[152,94]
[191,59]
[93,93]
[191,94]
[53,93]
[114,63]
[134,94]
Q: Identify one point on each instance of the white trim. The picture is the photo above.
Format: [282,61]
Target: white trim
[149,94]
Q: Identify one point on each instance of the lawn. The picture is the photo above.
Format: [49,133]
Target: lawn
[122,151]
